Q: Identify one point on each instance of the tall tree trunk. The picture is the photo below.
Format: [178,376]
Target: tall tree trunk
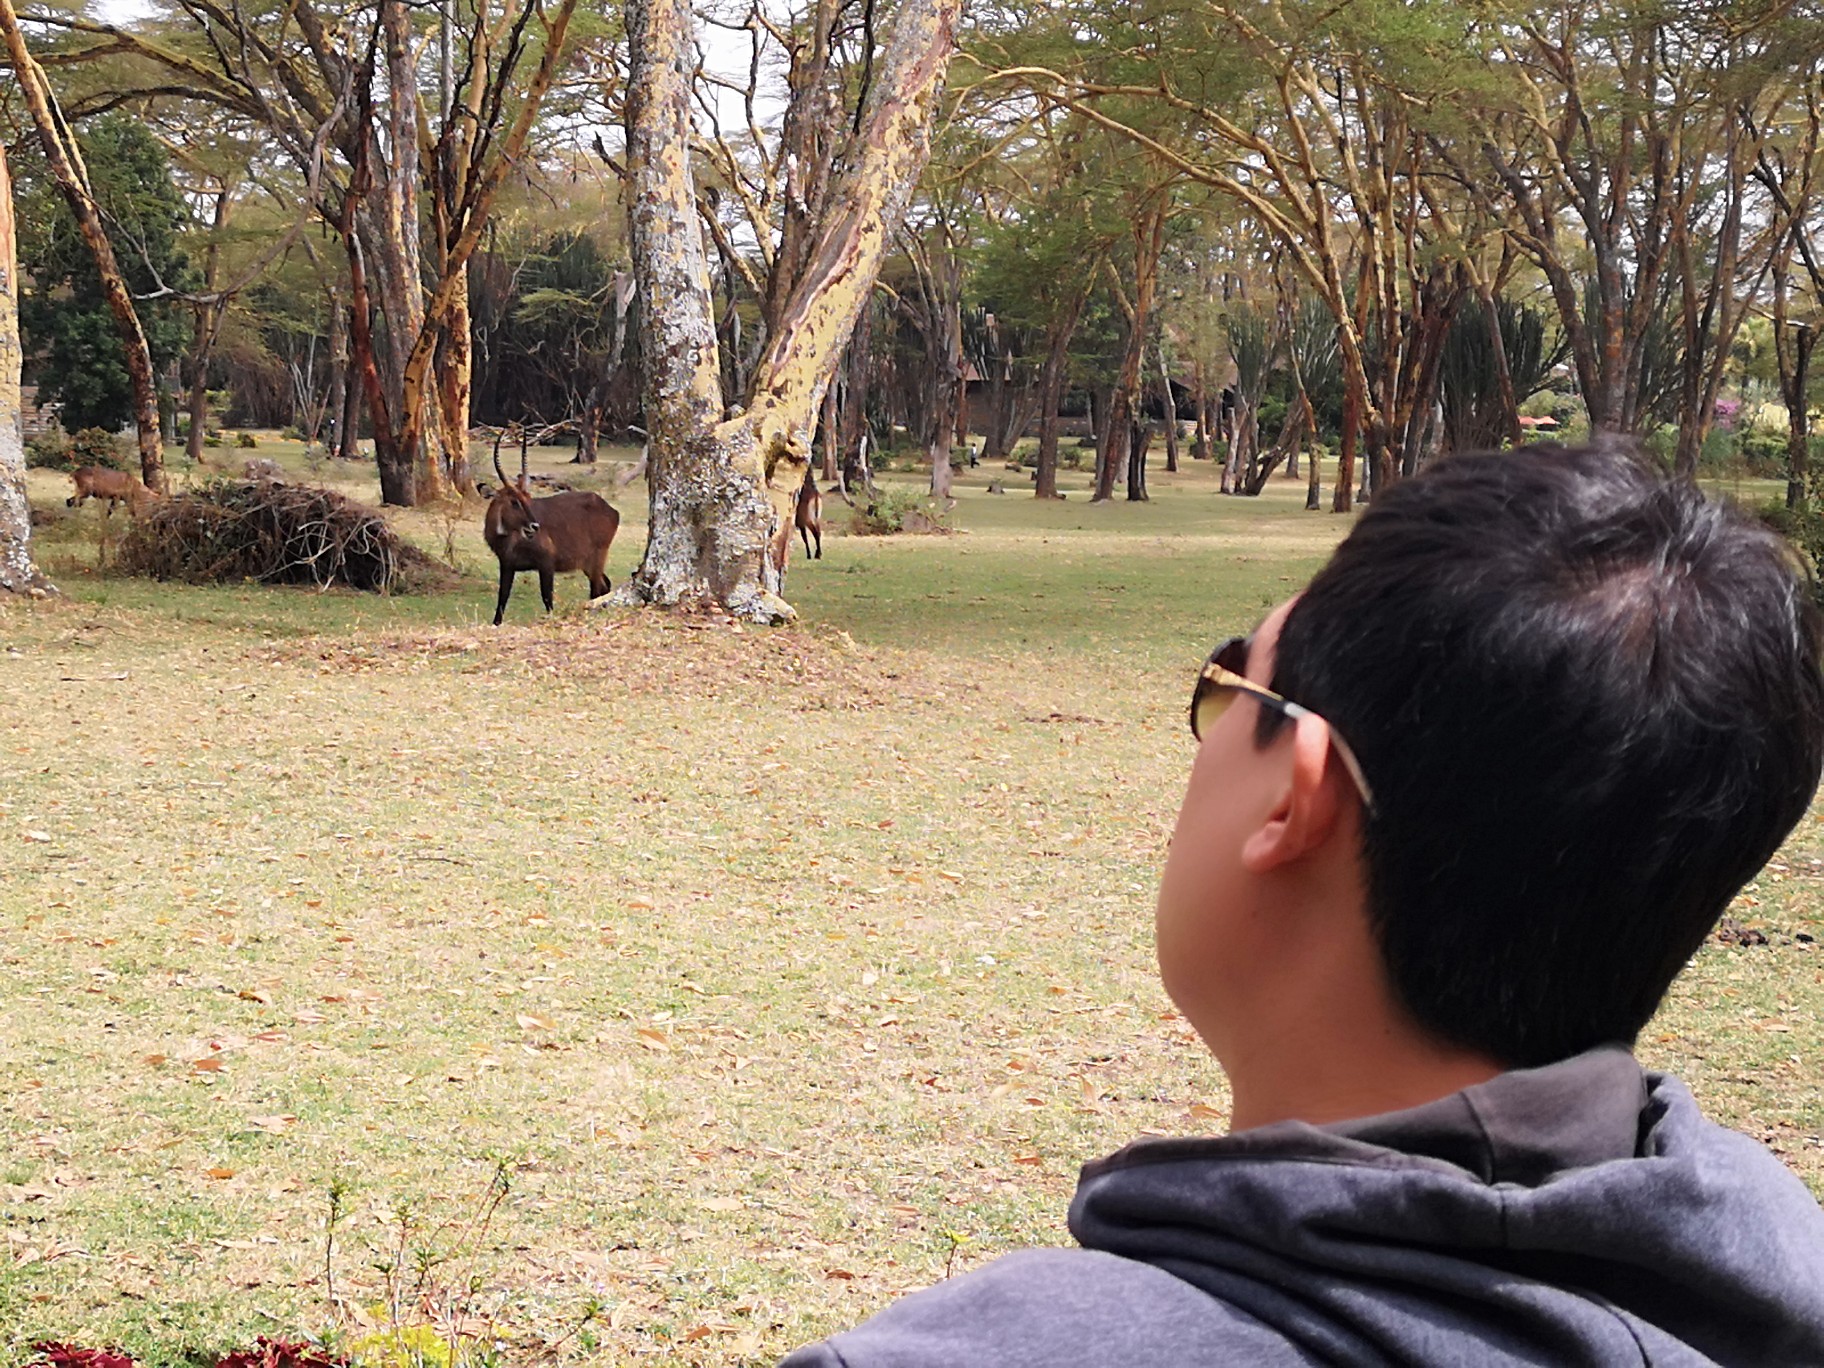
[1200,400]
[829,430]
[208,324]
[340,440]
[455,372]
[589,424]
[854,400]
[64,159]
[1149,242]
[1169,406]
[1343,500]
[722,493]
[18,575]
[1139,439]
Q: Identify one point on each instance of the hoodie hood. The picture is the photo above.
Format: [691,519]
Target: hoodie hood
[1584,1212]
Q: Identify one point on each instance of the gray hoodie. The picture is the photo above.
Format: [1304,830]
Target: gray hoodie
[1582,1213]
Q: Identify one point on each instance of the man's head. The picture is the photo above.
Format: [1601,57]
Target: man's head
[1590,707]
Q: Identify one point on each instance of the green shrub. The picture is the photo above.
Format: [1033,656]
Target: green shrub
[294,433]
[50,450]
[1763,452]
[894,510]
[1804,528]
[246,441]
[212,439]
[98,446]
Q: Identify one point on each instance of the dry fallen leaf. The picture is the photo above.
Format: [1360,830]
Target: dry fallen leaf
[528,1022]
[221,1173]
[653,1040]
[1030,1159]
[273,1125]
[213,1064]
[255,995]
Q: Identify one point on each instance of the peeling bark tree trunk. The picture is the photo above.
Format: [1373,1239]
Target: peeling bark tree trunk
[1051,395]
[723,491]
[1169,402]
[64,159]
[208,324]
[455,367]
[18,575]
[341,441]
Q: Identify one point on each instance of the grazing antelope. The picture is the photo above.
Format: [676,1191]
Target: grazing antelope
[808,516]
[99,482]
[564,532]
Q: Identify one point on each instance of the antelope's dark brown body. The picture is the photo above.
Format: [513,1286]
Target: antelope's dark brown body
[563,533]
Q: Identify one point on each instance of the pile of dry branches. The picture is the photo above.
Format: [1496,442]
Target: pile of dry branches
[237,530]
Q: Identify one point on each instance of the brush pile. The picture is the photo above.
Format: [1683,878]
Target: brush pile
[234,531]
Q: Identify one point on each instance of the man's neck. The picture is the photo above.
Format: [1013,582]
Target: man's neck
[1326,1066]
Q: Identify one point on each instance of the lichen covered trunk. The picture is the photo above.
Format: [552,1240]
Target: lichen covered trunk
[18,575]
[455,371]
[710,521]
[723,490]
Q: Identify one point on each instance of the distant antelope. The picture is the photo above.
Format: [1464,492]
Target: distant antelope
[561,533]
[99,482]
[808,516]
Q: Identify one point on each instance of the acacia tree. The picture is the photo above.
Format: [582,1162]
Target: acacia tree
[722,489]
[64,160]
[18,575]
[306,76]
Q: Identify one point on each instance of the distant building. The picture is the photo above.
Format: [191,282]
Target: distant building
[34,419]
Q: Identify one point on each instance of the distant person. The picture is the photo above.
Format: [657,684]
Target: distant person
[1459,813]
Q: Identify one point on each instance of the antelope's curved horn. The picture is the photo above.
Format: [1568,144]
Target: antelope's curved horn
[497,470]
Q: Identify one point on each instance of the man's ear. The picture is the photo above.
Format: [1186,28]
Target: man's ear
[1308,807]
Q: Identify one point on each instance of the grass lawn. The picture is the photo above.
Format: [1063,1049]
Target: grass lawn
[622,989]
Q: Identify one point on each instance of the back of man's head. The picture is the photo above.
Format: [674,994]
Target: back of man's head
[1590,705]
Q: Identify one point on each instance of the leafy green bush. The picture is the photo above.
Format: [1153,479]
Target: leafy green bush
[98,446]
[894,510]
[246,441]
[1763,452]
[1804,528]
[50,450]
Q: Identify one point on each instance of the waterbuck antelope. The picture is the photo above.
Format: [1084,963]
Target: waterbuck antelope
[564,532]
[808,516]
[99,482]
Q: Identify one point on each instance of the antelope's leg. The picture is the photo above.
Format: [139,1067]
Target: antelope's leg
[506,590]
[547,579]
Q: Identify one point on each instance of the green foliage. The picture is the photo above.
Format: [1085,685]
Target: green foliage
[899,508]
[246,441]
[1804,528]
[98,446]
[71,344]
[1468,376]
[50,450]
[55,449]
[1763,452]
[1251,343]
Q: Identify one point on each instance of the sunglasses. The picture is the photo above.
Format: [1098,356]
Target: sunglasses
[1224,675]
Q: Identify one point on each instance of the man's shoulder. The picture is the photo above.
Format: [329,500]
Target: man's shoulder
[1054,1307]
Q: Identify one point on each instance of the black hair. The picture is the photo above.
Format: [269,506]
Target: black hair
[1590,704]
